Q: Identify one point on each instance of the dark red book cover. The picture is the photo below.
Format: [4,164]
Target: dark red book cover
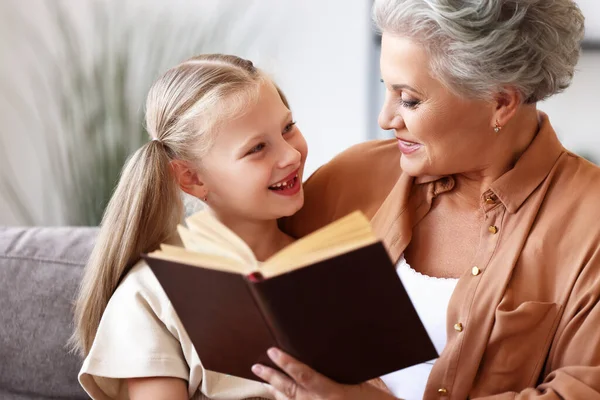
[348,317]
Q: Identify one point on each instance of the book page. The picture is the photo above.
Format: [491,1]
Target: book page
[208,261]
[209,243]
[344,235]
[206,234]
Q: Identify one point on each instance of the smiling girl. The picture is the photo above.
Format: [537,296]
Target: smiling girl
[222,132]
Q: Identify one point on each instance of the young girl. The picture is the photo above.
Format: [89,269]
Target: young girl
[223,132]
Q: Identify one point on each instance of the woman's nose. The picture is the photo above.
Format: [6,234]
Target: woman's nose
[389,118]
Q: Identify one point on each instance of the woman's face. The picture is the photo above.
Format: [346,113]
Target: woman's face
[254,168]
[438,132]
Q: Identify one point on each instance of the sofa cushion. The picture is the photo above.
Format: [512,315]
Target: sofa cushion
[40,270]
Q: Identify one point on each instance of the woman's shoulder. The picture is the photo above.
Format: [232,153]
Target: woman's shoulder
[580,179]
[360,178]
[373,163]
[371,167]
[374,154]
[584,167]
[571,202]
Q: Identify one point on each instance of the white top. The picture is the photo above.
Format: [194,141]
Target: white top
[140,335]
[430,297]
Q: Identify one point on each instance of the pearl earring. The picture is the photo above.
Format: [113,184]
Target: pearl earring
[497,127]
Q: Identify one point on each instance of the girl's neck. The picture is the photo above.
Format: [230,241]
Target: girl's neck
[263,237]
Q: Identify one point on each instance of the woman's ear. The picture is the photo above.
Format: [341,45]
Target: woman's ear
[507,104]
[188,179]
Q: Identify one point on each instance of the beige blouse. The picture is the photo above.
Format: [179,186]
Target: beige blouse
[140,335]
[528,305]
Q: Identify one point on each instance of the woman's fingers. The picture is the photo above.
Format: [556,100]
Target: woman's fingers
[304,383]
[281,386]
[276,394]
[304,376]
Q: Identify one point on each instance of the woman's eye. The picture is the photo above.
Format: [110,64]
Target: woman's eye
[256,149]
[289,127]
[409,103]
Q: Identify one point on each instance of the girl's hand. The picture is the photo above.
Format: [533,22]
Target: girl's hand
[305,383]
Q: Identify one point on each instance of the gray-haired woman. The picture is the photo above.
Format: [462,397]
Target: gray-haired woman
[493,224]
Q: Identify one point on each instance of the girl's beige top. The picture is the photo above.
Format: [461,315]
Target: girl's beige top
[141,336]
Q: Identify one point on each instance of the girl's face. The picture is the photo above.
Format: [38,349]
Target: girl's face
[254,168]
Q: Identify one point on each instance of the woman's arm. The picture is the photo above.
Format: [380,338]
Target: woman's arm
[573,365]
[157,388]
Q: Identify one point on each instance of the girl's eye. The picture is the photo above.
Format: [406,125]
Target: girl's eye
[256,149]
[289,127]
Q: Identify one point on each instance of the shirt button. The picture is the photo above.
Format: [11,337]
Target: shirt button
[475,271]
[493,229]
[443,391]
[458,327]
[489,200]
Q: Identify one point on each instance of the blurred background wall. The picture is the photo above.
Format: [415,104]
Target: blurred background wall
[74,75]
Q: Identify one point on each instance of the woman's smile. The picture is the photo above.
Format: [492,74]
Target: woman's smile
[408,147]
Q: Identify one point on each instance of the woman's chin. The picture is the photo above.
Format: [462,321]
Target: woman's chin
[413,167]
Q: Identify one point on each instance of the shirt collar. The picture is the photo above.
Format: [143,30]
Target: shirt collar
[534,165]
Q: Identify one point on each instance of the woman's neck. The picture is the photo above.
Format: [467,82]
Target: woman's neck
[509,148]
[263,237]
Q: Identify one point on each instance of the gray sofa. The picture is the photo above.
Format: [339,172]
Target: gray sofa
[40,269]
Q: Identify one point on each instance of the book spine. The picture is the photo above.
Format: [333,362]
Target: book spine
[253,282]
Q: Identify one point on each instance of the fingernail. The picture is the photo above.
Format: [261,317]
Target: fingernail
[273,353]
[257,369]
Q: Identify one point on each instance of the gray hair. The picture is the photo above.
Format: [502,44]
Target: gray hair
[479,47]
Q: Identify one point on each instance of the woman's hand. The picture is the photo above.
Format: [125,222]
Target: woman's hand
[307,384]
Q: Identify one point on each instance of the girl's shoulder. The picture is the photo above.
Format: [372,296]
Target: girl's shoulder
[139,279]
[139,336]
[140,291]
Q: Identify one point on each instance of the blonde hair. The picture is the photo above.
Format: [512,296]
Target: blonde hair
[183,110]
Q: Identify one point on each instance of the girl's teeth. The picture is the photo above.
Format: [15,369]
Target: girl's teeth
[284,184]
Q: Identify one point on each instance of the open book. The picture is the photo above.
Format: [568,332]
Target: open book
[331,299]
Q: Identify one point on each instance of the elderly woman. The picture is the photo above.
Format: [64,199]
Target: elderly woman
[493,224]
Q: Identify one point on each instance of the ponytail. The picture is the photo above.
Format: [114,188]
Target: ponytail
[142,213]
